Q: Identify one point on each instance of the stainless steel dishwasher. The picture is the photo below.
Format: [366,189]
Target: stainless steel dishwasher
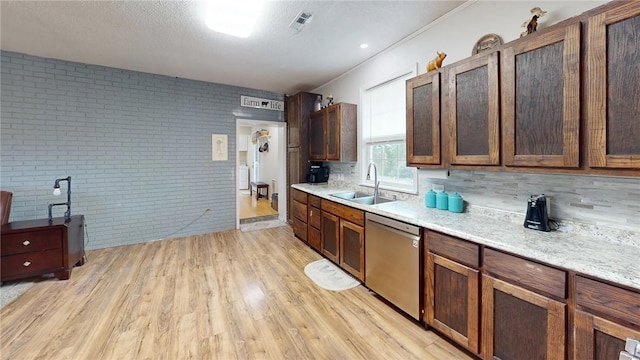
[392,252]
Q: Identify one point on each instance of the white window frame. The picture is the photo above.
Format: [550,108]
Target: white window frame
[365,140]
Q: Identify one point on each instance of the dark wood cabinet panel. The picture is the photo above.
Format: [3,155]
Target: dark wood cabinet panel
[333,134]
[315,217]
[607,300]
[598,339]
[423,120]
[350,214]
[317,148]
[529,274]
[452,300]
[614,87]
[314,238]
[473,111]
[299,228]
[461,251]
[352,249]
[520,324]
[331,237]
[299,107]
[541,99]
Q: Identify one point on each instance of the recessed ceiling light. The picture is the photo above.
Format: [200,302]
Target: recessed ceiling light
[236,18]
[364,46]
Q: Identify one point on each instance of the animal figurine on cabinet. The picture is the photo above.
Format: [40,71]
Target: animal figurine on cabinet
[436,63]
[532,25]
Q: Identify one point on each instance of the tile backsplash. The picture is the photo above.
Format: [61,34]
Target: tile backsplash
[599,201]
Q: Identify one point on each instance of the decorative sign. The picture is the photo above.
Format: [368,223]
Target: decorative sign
[258,103]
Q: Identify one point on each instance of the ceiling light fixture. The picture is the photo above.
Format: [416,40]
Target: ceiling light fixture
[364,46]
[236,18]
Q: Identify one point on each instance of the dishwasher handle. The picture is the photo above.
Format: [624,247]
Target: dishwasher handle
[393,224]
[370,223]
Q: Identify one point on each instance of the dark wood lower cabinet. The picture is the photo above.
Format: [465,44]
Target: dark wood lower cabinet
[452,295]
[520,324]
[352,249]
[598,339]
[331,237]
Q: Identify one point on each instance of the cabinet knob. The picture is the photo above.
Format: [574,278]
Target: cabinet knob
[26,243]
[310,212]
[26,263]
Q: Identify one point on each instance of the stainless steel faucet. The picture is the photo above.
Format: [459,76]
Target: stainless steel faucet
[375,180]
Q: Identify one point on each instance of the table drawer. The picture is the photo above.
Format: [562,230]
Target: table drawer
[527,273]
[30,241]
[35,262]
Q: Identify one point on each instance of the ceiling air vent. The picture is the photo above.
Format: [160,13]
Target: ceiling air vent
[300,20]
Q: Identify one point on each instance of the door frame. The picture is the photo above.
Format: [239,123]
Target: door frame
[282,159]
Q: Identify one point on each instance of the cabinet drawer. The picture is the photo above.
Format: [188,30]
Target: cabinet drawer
[314,239]
[527,273]
[352,215]
[31,241]
[34,262]
[314,201]
[300,229]
[314,217]
[299,196]
[299,211]
[453,248]
[608,299]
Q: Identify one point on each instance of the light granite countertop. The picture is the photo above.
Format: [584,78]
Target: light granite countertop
[580,252]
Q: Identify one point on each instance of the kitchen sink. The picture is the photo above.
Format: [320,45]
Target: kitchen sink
[352,195]
[361,198]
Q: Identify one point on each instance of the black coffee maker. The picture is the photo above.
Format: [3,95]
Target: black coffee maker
[537,213]
[318,173]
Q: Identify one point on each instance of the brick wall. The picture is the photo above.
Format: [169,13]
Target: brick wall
[137,146]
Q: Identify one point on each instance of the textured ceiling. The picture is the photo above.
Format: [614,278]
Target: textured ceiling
[170,38]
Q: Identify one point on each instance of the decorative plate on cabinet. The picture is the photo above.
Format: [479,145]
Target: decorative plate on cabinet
[485,43]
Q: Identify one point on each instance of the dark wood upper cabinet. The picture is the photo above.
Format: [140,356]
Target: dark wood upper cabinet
[333,133]
[541,99]
[613,88]
[423,120]
[473,111]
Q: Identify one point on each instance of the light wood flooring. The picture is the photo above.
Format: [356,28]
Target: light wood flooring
[250,208]
[228,295]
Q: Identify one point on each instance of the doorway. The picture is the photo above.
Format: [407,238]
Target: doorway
[261,171]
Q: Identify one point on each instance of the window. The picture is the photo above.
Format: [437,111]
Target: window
[384,135]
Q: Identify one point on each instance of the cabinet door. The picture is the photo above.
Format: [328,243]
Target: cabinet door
[598,339]
[520,324]
[317,148]
[332,132]
[613,108]
[473,111]
[331,237]
[352,249]
[541,99]
[293,175]
[294,121]
[452,294]
[423,120]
